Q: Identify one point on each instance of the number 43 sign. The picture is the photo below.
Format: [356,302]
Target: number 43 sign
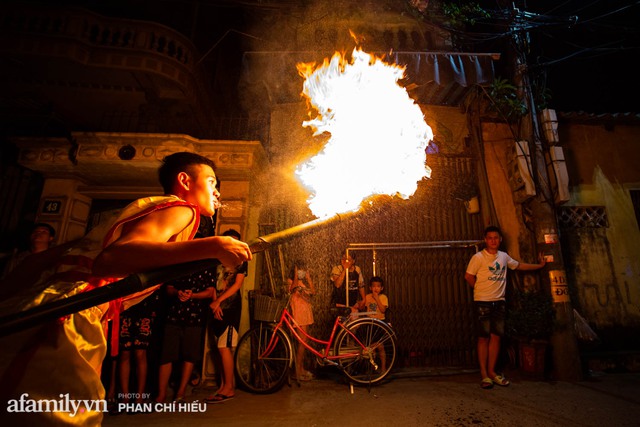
[51,207]
[559,286]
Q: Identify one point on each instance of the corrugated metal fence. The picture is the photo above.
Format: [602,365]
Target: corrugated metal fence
[422,247]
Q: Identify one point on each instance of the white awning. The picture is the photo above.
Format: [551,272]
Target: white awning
[437,78]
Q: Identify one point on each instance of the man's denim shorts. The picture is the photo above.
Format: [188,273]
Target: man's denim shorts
[490,317]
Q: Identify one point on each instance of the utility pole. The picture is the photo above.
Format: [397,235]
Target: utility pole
[541,211]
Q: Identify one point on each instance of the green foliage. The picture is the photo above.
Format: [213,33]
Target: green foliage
[455,14]
[531,316]
[458,15]
[505,100]
[501,99]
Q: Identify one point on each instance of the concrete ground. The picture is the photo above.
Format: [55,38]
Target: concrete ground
[415,399]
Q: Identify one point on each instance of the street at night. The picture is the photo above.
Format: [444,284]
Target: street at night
[412,399]
[438,198]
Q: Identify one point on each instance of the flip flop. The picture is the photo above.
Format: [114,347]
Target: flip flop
[486,383]
[501,381]
[218,398]
[305,376]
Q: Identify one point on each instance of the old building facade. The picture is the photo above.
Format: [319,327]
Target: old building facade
[93,102]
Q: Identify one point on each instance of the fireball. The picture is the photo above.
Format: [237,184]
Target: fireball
[378,134]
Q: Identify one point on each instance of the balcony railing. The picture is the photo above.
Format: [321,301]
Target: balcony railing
[97,30]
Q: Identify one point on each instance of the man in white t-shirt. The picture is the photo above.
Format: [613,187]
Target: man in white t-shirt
[487,275]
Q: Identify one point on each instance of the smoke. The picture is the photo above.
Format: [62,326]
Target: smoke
[270,86]
[307,32]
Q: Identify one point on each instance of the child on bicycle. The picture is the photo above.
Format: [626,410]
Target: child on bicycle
[376,304]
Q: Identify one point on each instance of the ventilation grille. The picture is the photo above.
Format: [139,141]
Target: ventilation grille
[583,217]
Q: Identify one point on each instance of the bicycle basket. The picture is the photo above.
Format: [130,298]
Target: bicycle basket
[267,309]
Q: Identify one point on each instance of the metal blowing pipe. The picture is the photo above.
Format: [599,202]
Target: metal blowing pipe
[16,322]
[260,244]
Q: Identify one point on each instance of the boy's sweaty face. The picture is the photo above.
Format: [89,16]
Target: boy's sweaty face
[203,191]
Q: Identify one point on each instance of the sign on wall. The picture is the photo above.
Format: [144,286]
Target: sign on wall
[559,286]
[51,207]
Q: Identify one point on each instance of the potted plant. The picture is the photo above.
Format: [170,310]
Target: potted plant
[530,322]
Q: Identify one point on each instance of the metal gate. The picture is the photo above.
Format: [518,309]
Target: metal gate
[422,247]
[430,303]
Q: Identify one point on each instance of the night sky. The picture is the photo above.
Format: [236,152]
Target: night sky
[584,51]
[581,51]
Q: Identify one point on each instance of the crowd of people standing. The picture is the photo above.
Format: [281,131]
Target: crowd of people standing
[159,333]
[178,316]
[159,231]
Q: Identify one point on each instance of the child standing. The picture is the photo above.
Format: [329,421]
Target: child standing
[301,285]
[376,300]
[377,304]
[227,311]
[137,324]
[186,318]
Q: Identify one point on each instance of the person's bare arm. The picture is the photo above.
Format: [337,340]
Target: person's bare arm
[30,271]
[338,279]
[312,287]
[215,305]
[293,283]
[205,294]
[361,302]
[381,307]
[470,278]
[146,245]
[531,267]
[187,294]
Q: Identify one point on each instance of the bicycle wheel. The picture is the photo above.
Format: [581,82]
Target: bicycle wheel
[373,362]
[260,369]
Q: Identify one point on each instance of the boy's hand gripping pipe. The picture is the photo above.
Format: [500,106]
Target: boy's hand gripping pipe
[16,322]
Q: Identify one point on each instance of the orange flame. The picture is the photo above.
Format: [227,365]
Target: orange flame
[378,133]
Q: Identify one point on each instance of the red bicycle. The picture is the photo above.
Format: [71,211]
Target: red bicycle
[363,349]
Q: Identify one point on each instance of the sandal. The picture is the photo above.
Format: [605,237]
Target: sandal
[501,381]
[486,383]
[218,398]
[305,376]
